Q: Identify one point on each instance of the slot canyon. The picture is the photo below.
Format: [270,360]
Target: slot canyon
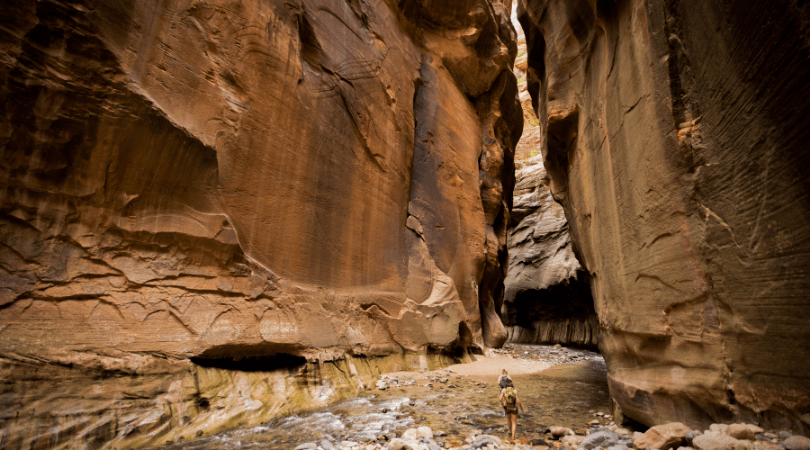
[214,213]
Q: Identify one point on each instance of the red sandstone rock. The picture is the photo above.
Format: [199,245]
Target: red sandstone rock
[676,138]
[232,179]
[662,437]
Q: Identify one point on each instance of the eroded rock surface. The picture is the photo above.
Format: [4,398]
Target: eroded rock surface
[224,179]
[676,138]
[547,298]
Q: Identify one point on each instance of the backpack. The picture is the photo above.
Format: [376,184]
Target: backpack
[510,397]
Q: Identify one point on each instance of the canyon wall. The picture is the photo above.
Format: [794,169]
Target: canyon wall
[287,182]
[676,139]
[547,298]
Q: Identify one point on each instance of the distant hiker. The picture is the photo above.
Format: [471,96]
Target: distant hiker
[510,401]
[502,379]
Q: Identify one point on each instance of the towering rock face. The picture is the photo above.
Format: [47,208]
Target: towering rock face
[547,298]
[676,139]
[221,179]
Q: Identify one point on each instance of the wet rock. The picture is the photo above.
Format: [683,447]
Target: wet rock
[418,433]
[784,435]
[599,439]
[398,444]
[560,431]
[571,440]
[485,440]
[537,442]
[796,443]
[662,437]
[717,441]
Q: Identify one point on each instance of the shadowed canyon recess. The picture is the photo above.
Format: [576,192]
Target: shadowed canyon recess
[217,212]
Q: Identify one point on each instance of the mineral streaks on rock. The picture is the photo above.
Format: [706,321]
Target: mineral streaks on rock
[676,141]
[223,179]
[547,298]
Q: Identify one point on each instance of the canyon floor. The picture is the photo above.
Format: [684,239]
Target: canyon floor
[558,386]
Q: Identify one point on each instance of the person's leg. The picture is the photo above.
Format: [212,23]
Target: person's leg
[513,425]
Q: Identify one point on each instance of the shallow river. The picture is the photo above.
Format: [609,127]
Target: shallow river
[567,395]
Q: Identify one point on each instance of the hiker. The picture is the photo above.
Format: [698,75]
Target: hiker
[502,379]
[510,401]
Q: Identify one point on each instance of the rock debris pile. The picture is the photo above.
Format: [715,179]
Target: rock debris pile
[671,436]
[555,354]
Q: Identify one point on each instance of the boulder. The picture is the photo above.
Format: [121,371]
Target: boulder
[603,439]
[743,431]
[398,444]
[796,443]
[714,441]
[663,437]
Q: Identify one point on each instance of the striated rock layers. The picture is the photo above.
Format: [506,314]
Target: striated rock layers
[223,179]
[676,139]
[547,297]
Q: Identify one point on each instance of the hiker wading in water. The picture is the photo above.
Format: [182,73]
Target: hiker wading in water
[510,402]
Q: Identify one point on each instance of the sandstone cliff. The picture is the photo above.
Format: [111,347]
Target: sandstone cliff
[222,179]
[547,298]
[676,138]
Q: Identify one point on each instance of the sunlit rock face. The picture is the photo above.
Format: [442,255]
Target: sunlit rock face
[676,138]
[227,179]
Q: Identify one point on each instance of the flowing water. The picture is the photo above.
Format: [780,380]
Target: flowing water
[567,395]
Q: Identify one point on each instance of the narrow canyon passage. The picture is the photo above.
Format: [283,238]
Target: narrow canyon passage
[452,403]
[217,214]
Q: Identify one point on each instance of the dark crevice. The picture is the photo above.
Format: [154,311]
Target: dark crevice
[562,134]
[250,358]
[278,361]
[311,50]
[570,300]
[536,59]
